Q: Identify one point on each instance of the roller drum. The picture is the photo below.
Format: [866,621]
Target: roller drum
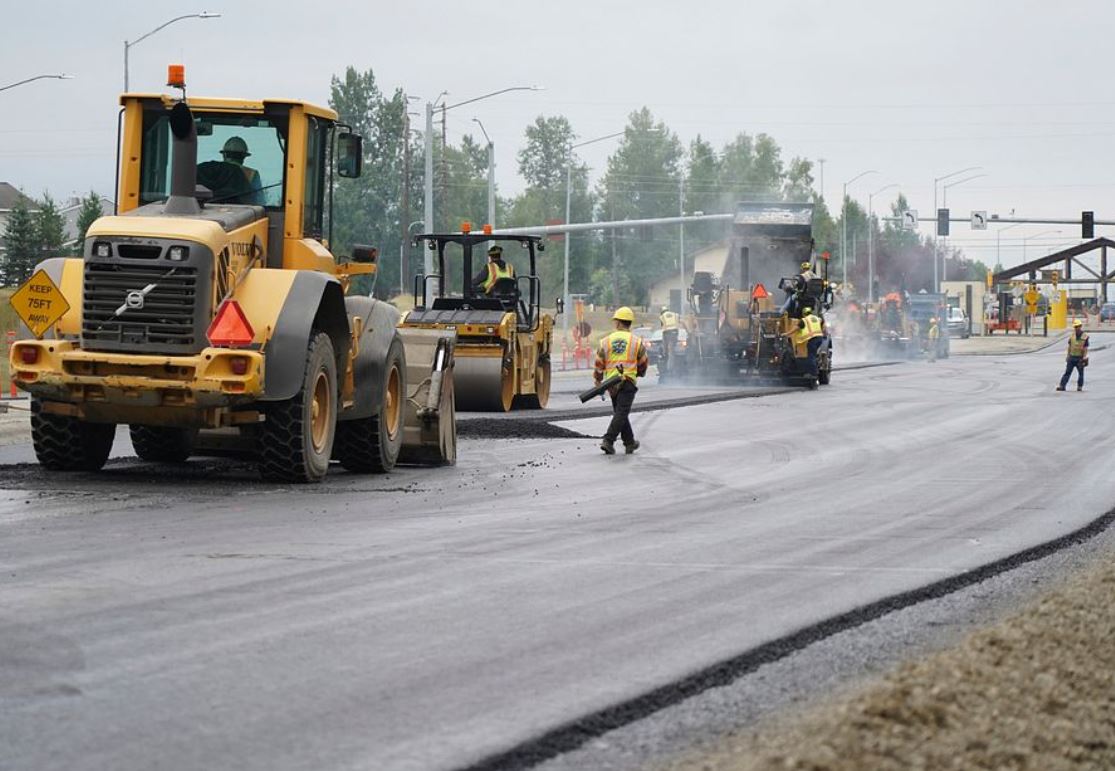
[482,384]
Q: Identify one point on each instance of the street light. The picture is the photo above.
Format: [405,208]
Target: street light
[945,204]
[428,188]
[491,174]
[936,180]
[402,251]
[871,240]
[998,235]
[128,45]
[568,202]
[1035,235]
[844,222]
[61,76]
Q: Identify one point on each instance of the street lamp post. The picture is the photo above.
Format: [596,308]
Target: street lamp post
[871,240]
[936,181]
[844,223]
[568,214]
[128,45]
[60,76]
[945,204]
[402,252]
[491,175]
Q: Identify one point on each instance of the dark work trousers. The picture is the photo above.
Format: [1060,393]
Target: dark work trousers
[620,426]
[812,347]
[1077,363]
[669,342]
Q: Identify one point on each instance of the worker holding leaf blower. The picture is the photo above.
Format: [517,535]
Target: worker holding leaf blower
[622,354]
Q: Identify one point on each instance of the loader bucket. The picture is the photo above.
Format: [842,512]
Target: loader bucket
[430,417]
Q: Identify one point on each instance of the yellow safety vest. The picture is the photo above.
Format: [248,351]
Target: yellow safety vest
[495,273]
[1076,345]
[934,332]
[621,348]
[810,328]
[669,320]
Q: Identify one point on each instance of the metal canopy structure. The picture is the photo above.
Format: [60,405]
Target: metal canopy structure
[1068,256]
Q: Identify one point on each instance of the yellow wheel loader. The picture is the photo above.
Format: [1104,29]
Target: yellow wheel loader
[503,338]
[209,315]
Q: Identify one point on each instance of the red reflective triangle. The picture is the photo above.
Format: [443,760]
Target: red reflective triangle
[759,292]
[230,326]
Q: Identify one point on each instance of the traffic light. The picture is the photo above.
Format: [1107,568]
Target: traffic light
[1087,224]
[942,222]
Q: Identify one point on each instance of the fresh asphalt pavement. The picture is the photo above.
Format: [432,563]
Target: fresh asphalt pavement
[162,617]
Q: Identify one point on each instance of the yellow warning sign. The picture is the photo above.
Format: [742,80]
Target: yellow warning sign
[40,303]
[1031,298]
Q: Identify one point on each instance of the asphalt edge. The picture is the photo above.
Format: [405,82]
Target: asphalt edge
[575,734]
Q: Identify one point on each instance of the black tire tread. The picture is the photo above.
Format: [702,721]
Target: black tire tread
[360,445]
[64,443]
[162,444]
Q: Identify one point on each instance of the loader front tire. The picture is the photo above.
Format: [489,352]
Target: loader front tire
[163,444]
[296,442]
[372,444]
[65,443]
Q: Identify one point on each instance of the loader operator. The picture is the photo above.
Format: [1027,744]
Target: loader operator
[622,352]
[1077,357]
[493,279]
[669,321]
[235,151]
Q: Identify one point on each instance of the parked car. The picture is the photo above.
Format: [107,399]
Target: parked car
[654,344]
[1107,312]
[958,323]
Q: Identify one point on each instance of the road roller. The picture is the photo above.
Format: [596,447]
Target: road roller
[502,353]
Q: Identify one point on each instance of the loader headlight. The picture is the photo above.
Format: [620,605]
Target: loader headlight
[102,249]
[177,254]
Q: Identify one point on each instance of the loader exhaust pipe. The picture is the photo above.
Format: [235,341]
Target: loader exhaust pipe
[183,163]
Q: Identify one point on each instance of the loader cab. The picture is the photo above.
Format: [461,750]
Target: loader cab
[460,257]
[255,159]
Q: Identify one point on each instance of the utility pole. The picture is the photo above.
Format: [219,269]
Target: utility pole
[681,239]
[444,164]
[428,189]
[403,220]
[821,163]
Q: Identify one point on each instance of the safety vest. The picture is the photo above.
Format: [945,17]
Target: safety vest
[1076,345]
[618,348]
[669,320]
[495,273]
[934,332]
[810,328]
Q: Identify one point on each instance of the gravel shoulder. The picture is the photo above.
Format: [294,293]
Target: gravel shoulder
[1035,690]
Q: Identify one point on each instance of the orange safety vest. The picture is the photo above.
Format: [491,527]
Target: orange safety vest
[1076,346]
[495,273]
[621,348]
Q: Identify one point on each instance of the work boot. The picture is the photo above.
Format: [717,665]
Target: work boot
[629,449]
[1080,388]
[608,446]
[1060,388]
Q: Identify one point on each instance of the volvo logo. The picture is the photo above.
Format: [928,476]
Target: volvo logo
[134,300]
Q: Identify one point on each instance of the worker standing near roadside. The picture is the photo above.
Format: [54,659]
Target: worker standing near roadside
[934,335]
[623,353]
[811,331]
[1077,357]
[669,321]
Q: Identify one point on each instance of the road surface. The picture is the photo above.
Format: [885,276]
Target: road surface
[156,617]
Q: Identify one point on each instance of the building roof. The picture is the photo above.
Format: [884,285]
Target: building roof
[9,194]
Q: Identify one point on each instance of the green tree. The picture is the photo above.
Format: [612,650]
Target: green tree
[89,213]
[50,229]
[798,182]
[20,243]
[703,194]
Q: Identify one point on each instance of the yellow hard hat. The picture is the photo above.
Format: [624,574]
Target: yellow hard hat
[806,266]
[1077,323]
[624,314]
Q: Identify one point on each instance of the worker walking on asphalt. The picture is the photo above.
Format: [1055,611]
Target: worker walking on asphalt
[1077,357]
[621,352]
[934,335]
[669,321]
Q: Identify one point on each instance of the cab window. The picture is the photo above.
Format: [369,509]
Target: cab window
[240,158]
[317,139]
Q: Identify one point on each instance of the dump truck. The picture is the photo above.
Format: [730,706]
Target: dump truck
[504,339]
[737,332]
[209,315]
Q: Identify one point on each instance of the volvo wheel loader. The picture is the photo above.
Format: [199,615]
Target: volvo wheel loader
[209,315]
[503,338]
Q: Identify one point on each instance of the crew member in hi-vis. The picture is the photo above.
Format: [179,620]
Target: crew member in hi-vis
[621,353]
[489,277]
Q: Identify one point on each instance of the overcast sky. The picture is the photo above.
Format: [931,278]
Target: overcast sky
[915,91]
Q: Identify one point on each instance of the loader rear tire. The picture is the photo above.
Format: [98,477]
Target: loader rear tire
[372,444]
[64,443]
[163,444]
[296,441]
